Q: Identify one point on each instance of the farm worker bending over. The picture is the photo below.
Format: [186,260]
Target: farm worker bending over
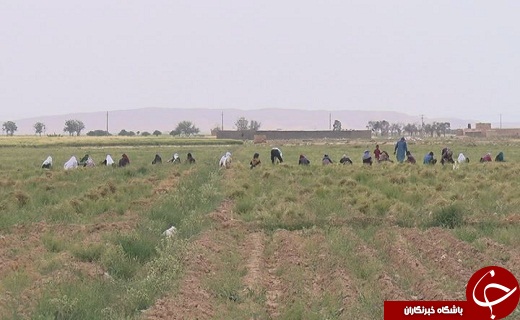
[190,159]
[303,160]
[89,163]
[400,150]
[225,161]
[462,158]
[500,157]
[367,158]
[47,164]
[108,161]
[326,160]
[410,158]
[429,159]
[175,158]
[124,161]
[345,160]
[446,156]
[486,158]
[384,156]
[276,154]
[255,161]
[157,159]
[71,164]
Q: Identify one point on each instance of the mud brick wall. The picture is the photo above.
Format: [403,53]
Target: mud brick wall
[295,135]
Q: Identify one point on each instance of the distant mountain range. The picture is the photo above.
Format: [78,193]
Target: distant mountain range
[166,119]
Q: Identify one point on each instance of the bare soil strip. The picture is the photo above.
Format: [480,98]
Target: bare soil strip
[423,285]
[454,259]
[254,244]
[193,300]
[390,290]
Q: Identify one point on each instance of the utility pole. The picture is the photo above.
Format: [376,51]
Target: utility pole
[422,124]
[107,122]
[500,121]
[330,121]
[222,121]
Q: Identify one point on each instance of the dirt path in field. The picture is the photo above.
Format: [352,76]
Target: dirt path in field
[450,260]
[387,281]
[193,300]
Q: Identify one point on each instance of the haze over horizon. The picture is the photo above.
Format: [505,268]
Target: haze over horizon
[437,58]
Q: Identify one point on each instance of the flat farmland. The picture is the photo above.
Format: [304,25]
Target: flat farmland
[275,242]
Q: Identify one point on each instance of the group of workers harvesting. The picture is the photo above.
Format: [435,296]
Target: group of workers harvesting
[87,161]
[403,155]
[400,150]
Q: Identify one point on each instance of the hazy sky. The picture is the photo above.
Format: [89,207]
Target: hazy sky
[434,57]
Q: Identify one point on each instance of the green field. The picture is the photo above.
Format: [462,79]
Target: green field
[275,242]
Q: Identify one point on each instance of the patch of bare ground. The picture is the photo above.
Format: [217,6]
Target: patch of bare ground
[453,259]
[23,251]
[254,247]
[387,282]
[300,270]
[407,265]
[166,185]
[503,256]
[328,275]
[193,300]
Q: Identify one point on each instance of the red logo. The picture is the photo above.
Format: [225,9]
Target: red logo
[495,289]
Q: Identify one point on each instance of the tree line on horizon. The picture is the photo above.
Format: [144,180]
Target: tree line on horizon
[187,128]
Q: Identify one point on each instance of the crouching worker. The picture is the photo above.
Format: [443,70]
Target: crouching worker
[486,158]
[276,154]
[71,164]
[108,161]
[384,157]
[190,159]
[175,158]
[410,158]
[429,158]
[124,161]
[47,164]
[447,156]
[255,161]
[225,161]
[326,160]
[157,159]
[345,160]
[367,158]
[500,157]
[303,161]
[462,158]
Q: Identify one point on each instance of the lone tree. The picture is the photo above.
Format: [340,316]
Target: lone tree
[39,127]
[74,126]
[242,124]
[186,128]
[157,133]
[9,127]
[336,126]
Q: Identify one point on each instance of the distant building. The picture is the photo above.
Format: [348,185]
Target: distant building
[484,130]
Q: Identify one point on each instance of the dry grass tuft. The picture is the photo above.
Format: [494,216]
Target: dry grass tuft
[21,197]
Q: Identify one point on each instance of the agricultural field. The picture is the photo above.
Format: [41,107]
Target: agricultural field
[275,242]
